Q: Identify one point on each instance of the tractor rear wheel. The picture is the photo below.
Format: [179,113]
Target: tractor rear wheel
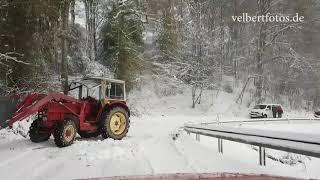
[114,123]
[84,134]
[36,133]
[65,133]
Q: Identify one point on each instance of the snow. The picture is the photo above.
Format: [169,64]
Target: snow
[310,127]
[93,68]
[268,132]
[148,149]
[246,154]
[155,144]
[80,16]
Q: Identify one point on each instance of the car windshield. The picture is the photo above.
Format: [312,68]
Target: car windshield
[259,106]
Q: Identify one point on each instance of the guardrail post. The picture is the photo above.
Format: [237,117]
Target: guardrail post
[198,137]
[188,132]
[220,146]
[262,156]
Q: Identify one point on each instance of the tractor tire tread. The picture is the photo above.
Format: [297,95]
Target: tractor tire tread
[59,130]
[105,116]
[34,132]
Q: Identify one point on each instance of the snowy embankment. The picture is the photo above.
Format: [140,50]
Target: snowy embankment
[155,144]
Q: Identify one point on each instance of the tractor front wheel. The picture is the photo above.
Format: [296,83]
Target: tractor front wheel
[36,133]
[65,133]
[114,123]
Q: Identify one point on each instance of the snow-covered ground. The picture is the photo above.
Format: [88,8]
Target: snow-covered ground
[307,127]
[149,149]
[151,146]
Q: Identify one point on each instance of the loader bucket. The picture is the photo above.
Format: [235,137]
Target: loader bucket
[35,102]
[7,108]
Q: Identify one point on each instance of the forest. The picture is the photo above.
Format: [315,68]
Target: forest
[44,43]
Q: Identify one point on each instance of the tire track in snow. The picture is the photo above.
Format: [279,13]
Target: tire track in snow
[20,155]
[137,155]
[112,158]
[14,159]
[26,162]
[44,166]
[183,156]
[142,154]
[177,162]
[196,155]
[64,159]
[107,164]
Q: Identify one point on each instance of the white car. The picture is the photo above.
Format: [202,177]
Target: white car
[265,111]
[317,114]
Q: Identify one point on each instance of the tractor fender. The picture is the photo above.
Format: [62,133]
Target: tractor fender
[111,105]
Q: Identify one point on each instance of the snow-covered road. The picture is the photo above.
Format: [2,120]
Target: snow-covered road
[149,148]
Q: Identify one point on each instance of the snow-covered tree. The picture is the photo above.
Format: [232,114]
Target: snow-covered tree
[121,38]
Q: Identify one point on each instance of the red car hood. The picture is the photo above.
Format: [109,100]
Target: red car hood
[205,176]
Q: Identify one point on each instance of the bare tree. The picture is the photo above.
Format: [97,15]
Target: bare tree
[199,61]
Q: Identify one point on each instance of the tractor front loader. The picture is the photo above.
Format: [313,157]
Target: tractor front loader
[100,109]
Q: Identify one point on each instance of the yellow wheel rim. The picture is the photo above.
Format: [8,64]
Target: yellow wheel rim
[69,132]
[118,123]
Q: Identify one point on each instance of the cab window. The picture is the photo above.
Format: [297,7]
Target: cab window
[115,91]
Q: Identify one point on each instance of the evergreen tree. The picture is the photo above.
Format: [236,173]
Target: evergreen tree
[168,37]
[122,40]
[27,34]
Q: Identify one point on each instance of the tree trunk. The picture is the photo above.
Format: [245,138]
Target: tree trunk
[221,43]
[90,8]
[196,98]
[235,31]
[72,13]
[94,29]
[193,95]
[263,8]
[64,63]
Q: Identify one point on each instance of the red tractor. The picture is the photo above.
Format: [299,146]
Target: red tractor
[100,109]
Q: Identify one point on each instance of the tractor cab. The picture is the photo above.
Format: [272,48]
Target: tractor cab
[99,88]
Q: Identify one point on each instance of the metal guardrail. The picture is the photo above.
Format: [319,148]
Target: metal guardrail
[283,142]
[262,120]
